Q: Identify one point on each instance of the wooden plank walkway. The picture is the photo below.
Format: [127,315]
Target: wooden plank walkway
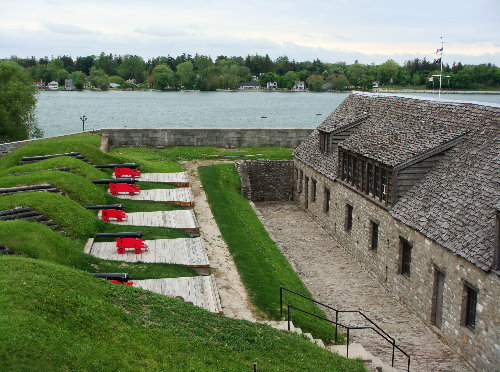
[181,196]
[199,290]
[180,220]
[184,251]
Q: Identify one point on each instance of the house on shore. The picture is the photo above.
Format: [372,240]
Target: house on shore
[299,86]
[410,187]
[68,84]
[249,85]
[53,85]
[272,85]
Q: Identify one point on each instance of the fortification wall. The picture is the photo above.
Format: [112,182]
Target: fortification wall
[287,137]
[266,180]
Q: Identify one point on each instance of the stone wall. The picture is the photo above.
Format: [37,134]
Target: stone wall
[205,137]
[266,180]
[479,345]
[5,148]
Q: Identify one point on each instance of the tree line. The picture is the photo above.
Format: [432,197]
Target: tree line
[204,73]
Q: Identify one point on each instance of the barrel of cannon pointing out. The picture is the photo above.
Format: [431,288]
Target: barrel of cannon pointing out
[105,206]
[120,235]
[43,157]
[114,180]
[126,165]
[120,277]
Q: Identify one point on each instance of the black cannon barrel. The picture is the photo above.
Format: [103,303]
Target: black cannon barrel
[126,165]
[25,188]
[20,215]
[114,180]
[104,206]
[43,157]
[120,235]
[121,277]
[17,210]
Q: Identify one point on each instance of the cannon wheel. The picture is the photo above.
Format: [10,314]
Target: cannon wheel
[137,250]
[121,250]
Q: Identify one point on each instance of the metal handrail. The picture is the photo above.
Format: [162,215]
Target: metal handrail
[376,329]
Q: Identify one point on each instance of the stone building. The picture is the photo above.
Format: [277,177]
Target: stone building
[410,187]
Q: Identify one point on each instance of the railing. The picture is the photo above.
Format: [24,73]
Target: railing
[374,326]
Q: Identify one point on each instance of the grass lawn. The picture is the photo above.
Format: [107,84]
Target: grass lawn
[260,263]
[55,318]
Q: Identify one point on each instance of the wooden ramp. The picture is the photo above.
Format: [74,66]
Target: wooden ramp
[200,290]
[185,251]
[179,179]
[181,196]
[180,220]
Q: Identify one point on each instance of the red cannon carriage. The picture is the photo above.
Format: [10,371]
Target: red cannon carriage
[116,188]
[137,244]
[126,172]
[116,214]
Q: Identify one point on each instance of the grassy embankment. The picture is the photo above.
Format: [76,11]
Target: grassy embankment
[260,263]
[55,318]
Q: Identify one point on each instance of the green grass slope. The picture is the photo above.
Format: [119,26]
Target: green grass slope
[34,240]
[75,165]
[55,318]
[260,263]
[76,187]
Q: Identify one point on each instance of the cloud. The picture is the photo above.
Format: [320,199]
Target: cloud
[157,30]
[59,28]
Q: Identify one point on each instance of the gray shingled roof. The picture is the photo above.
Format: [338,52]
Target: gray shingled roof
[455,203]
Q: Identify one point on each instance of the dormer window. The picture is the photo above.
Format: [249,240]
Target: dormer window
[324,142]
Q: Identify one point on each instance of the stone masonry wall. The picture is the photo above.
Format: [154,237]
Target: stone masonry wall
[479,346]
[266,180]
[220,137]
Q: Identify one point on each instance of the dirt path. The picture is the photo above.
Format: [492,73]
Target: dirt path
[232,292]
[335,278]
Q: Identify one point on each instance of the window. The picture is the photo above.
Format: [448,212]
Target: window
[469,314]
[371,184]
[301,176]
[313,189]
[374,236]
[405,257]
[326,205]
[348,219]
[324,142]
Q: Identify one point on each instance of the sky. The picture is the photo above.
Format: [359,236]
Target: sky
[370,31]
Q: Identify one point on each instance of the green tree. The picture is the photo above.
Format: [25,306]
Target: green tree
[186,74]
[388,72]
[17,104]
[163,77]
[132,67]
[79,79]
[99,79]
[315,83]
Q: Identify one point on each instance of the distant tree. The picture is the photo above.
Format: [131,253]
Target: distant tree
[289,79]
[388,72]
[315,83]
[186,75]
[163,77]
[79,79]
[116,79]
[84,64]
[338,81]
[99,79]
[17,104]
[106,63]
[132,67]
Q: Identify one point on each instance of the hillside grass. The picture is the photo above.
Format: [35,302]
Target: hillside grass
[75,165]
[262,267]
[56,318]
[37,241]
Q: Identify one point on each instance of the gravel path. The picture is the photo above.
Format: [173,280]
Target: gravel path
[335,278]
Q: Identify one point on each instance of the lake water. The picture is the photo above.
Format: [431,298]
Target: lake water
[59,112]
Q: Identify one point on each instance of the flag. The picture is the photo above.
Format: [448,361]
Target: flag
[439,51]
[431,79]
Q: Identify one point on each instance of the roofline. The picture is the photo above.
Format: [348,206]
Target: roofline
[428,154]
[352,124]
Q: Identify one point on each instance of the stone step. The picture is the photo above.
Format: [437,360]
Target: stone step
[358,351]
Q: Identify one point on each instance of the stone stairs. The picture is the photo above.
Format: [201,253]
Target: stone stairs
[372,363]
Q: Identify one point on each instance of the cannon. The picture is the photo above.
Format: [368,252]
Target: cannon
[126,240]
[126,165]
[126,172]
[105,206]
[116,214]
[116,188]
[113,180]
[119,277]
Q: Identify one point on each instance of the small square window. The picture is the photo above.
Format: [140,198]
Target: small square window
[406,248]
[348,219]
[313,189]
[374,236]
